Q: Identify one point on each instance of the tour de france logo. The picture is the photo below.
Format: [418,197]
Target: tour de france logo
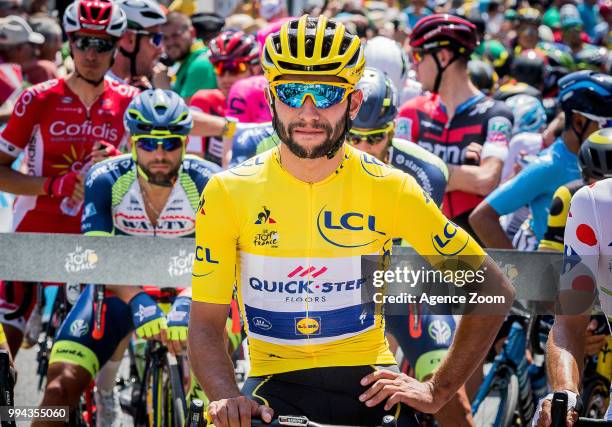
[81,260]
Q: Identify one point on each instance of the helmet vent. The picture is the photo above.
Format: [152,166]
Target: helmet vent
[297,67]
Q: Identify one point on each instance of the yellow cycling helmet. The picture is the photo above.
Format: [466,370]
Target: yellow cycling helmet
[313,46]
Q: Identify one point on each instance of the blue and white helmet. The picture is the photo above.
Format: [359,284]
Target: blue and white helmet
[158,112]
[529,113]
[380,102]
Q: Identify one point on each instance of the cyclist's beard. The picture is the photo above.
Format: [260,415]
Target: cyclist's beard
[321,150]
[162,179]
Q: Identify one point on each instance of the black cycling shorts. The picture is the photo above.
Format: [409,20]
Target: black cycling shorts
[325,395]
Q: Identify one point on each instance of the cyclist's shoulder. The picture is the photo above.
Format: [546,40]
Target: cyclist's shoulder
[489,107]
[253,133]
[415,153]
[109,171]
[45,91]
[600,193]
[197,167]
[119,89]
[248,172]
[418,103]
[363,167]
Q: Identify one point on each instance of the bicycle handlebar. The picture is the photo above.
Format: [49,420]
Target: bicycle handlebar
[558,412]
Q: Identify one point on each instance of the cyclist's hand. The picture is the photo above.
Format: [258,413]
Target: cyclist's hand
[472,154]
[178,320]
[543,417]
[237,412]
[102,150]
[69,185]
[394,387]
[149,320]
[594,342]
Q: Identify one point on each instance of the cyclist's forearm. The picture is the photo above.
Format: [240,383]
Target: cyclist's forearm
[485,222]
[476,331]
[18,183]
[479,180]
[206,124]
[124,293]
[213,367]
[565,352]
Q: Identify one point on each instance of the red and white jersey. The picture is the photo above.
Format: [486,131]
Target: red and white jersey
[56,132]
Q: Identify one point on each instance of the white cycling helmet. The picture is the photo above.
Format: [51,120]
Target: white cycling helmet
[387,55]
[95,17]
[142,14]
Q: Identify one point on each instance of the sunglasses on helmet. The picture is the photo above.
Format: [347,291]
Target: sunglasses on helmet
[150,143]
[100,45]
[323,94]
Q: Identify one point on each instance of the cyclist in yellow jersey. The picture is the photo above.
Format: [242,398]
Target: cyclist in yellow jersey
[289,227]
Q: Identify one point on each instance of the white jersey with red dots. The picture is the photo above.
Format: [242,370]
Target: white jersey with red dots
[587,260]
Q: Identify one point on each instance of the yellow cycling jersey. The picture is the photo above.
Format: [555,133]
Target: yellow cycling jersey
[294,250]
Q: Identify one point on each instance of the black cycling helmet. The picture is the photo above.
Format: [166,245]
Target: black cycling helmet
[379,106]
[529,67]
[595,156]
[482,75]
[587,93]
[207,25]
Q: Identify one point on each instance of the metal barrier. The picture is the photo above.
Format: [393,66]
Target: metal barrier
[120,260]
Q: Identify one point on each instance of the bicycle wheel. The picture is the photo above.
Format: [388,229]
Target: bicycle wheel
[596,397]
[498,408]
[159,403]
[179,405]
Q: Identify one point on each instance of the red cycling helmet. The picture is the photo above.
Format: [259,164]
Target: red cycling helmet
[234,46]
[444,30]
[95,17]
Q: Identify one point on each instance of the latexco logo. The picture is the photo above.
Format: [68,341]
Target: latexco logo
[181,264]
[80,260]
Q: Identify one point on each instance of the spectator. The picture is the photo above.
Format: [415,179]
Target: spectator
[417,10]
[52,32]
[207,25]
[275,13]
[195,71]
[19,44]
[590,16]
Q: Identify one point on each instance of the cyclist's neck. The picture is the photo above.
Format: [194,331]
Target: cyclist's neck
[86,92]
[454,92]
[309,170]
[571,141]
[121,68]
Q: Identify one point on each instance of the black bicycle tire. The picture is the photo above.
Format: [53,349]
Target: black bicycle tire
[179,403]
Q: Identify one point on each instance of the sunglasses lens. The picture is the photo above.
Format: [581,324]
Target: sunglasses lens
[222,67]
[147,144]
[99,45]
[324,95]
[171,144]
[371,139]
[168,144]
[157,38]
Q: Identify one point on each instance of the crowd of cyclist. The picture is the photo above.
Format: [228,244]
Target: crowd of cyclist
[115,115]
